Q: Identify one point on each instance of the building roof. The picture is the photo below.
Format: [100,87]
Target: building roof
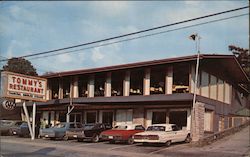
[228,62]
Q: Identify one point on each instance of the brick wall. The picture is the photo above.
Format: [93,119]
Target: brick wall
[198,121]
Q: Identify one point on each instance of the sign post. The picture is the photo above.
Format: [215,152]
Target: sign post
[19,86]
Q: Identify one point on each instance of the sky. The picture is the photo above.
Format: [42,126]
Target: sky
[28,27]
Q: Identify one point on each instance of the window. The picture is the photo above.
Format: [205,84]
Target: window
[72,126]
[175,128]
[178,117]
[91,117]
[159,118]
[78,125]
[139,127]
[156,128]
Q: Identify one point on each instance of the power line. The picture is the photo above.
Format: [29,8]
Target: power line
[138,32]
[143,36]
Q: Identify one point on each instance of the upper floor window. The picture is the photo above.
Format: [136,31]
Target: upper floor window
[181,78]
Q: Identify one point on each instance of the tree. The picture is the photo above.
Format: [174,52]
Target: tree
[20,65]
[243,57]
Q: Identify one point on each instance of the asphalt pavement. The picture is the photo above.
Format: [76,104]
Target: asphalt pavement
[231,146]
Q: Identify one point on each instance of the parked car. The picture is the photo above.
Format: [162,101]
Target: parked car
[15,129]
[59,130]
[23,130]
[122,133]
[91,132]
[5,126]
[163,133]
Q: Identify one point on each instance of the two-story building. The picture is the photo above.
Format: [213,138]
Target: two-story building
[151,92]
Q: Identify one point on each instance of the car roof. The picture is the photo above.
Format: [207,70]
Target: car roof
[129,126]
[166,125]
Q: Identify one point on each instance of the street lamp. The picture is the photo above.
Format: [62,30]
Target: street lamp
[196,38]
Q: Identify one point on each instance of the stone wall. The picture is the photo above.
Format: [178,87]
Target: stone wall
[198,121]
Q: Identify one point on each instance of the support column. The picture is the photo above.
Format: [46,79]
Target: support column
[198,121]
[146,82]
[126,84]
[169,80]
[138,115]
[91,86]
[60,91]
[49,91]
[108,85]
[167,116]
[75,87]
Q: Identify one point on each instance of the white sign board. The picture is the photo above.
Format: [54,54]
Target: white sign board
[24,87]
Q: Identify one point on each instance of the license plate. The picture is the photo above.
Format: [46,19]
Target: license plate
[14,132]
[46,135]
[75,136]
[110,137]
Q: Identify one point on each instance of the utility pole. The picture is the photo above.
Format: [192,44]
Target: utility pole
[196,38]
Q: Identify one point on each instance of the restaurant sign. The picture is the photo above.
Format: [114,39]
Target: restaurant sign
[19,86]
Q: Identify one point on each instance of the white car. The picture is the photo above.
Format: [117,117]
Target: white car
[163,133]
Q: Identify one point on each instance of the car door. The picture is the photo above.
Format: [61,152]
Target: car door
[179,135]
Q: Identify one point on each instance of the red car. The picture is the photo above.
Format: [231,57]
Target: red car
[122,133]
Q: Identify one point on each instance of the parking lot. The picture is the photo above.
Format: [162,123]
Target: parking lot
[235,145]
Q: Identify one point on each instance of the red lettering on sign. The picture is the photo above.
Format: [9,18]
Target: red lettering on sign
[24,81]
[30,82]
[35,82]
[18,80]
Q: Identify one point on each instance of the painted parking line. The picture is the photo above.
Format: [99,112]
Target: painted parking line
[123,146]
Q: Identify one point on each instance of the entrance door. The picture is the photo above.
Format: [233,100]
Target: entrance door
[107,117]
[208,121]
[178,117]
[91,117]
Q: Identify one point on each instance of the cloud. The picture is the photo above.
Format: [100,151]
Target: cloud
[97,55]
[110,8]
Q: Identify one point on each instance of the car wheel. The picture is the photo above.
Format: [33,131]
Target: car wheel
[80,140]
[188,139]
[168,143]
[65,138]
[95,138]
[10,133]
[130,140]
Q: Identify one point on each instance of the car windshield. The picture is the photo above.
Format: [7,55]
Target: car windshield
[121,127]
[60,125]
[156,128]
[18,123]
[89,126]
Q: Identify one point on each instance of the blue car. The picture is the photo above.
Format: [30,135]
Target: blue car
[59,131]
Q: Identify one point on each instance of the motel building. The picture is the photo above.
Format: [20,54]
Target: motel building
[151,92]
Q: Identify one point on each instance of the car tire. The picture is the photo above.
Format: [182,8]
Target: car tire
[95,139]
[168,143]
[65,138]
[188,139]
[130,141]
[80,140]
